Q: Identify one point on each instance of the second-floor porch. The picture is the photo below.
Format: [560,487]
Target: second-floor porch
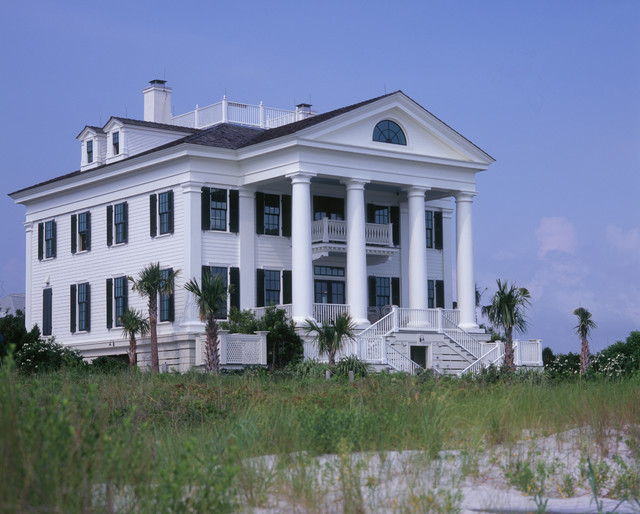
[330,236]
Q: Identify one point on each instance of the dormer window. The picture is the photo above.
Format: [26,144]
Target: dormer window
[90,151]
[388,131]
[116,143]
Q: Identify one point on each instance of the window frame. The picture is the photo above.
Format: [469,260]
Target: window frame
[271,215]
[429,228]
[84,307]
[47,311]
[115,142]
[120,300]
[49,239]
[166,306]
[120,227]
[218,223]
[391,133]
[84,231]
[89,150]
[272,277]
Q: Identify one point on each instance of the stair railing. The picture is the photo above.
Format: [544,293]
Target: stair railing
[461,337]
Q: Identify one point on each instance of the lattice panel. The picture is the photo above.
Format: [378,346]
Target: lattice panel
[243,351]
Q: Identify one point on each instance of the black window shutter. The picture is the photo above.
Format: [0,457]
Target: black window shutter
[153,215]
[205,209]
[286,217]
[125,291]
[437,223]
[40,241]
[109,303]
[109,225]
[170,202]
[125,224]
[53,229]
[260,288]
[371,215]
[234,211]
[395,219]
[440,294]
[395,291]
[259,213]
[234,280]
[47,307]
[372,291]
[206,272]
[74,233]
[172,303]
[88,307]
[286,286]
[72,308]
[88,231]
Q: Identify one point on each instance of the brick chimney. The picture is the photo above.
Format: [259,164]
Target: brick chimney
[157,102]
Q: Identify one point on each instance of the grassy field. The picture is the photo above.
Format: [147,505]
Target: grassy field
[137,442]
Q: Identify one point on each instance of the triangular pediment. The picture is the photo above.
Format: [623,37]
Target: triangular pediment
[426,135]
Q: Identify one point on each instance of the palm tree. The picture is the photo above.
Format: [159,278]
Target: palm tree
[151,282]
[583,329]
[507,310]
[211,299]
[331,335]
[133,323]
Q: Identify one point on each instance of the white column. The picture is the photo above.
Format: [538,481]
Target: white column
[464,261]
[247,235]
[447,258]
[356,252]
[192,252]
[28,291]
[417,249]
[301,257]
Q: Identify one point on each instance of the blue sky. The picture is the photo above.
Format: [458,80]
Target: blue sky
[549,88]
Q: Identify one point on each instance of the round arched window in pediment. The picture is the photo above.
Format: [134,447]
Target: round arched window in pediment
[388,131]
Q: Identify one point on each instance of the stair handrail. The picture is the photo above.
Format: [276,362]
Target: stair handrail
[464,339]
[413,366]
[478,364]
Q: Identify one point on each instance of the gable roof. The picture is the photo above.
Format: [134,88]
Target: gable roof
[233,137]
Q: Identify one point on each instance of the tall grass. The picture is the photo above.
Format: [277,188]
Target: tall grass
[81,442]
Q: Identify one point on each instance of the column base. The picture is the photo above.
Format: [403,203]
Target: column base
[361,323]
[301,320]
[470,327]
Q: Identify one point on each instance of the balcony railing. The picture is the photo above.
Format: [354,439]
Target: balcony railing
[335,231]
[243,114]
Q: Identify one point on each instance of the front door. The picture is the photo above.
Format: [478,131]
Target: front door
[419,355]
[329,291]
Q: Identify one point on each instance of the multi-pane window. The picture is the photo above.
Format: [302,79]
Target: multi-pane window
[329,291]
[221,272]
[83,307]
[435,292]
[388,131]
[83,231]
[120,297]
[271,287]
[332,271]
[50,239]
[166,300]
[328,207]
[120,222]
[116,143]
[165,211]
[428,220]
[381,215]
[89,151]
[383,291]
[272,215]
[218,209]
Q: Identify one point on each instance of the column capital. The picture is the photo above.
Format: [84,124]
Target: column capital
[447,212]
[355,183]
[300,177]
[28,226]
[416,191]
[465,196]
[247,192]
[191,187]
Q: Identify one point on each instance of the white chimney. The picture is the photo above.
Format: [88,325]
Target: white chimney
[157,102]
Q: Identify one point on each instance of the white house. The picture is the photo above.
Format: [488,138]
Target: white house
[350,210]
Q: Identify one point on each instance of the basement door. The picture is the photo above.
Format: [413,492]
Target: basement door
[419,355]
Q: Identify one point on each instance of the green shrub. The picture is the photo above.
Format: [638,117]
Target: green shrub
[310,368]
[13,332]
[45,355]
[110,364]
[351,363]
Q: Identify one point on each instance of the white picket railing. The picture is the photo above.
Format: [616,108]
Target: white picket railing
[525,353]
[328,311]
[326,230]
[261,311]
[401,362]
[370,340]
[311,350]
[241,113]
[461,337]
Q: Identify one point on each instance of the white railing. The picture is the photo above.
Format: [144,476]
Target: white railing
[401,362]
[419,318]
[328,311]
[461,337]
[529,353]
[371,340]
[236,349]
[241,113]
[525,353]
[261,311]
[326,230]
[311,350]
[490,356]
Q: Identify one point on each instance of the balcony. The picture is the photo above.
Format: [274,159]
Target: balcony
[330,236]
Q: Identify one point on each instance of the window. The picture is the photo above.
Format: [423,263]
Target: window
[47,311]
[46,240]
[380,215]
[384,291]
[81,232]
[384,214]
[332,271]
[116,143]
[80,307]
[428,221]
[388,131]
[89,151]
[271,287]
[329,291]
[273,214]
[161,209]
[328,207]
[268,287]
[435,290]
[433,225]
[166,300]
[120,297]
[218,205]
[221,272]
[117,218]
[218,209]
